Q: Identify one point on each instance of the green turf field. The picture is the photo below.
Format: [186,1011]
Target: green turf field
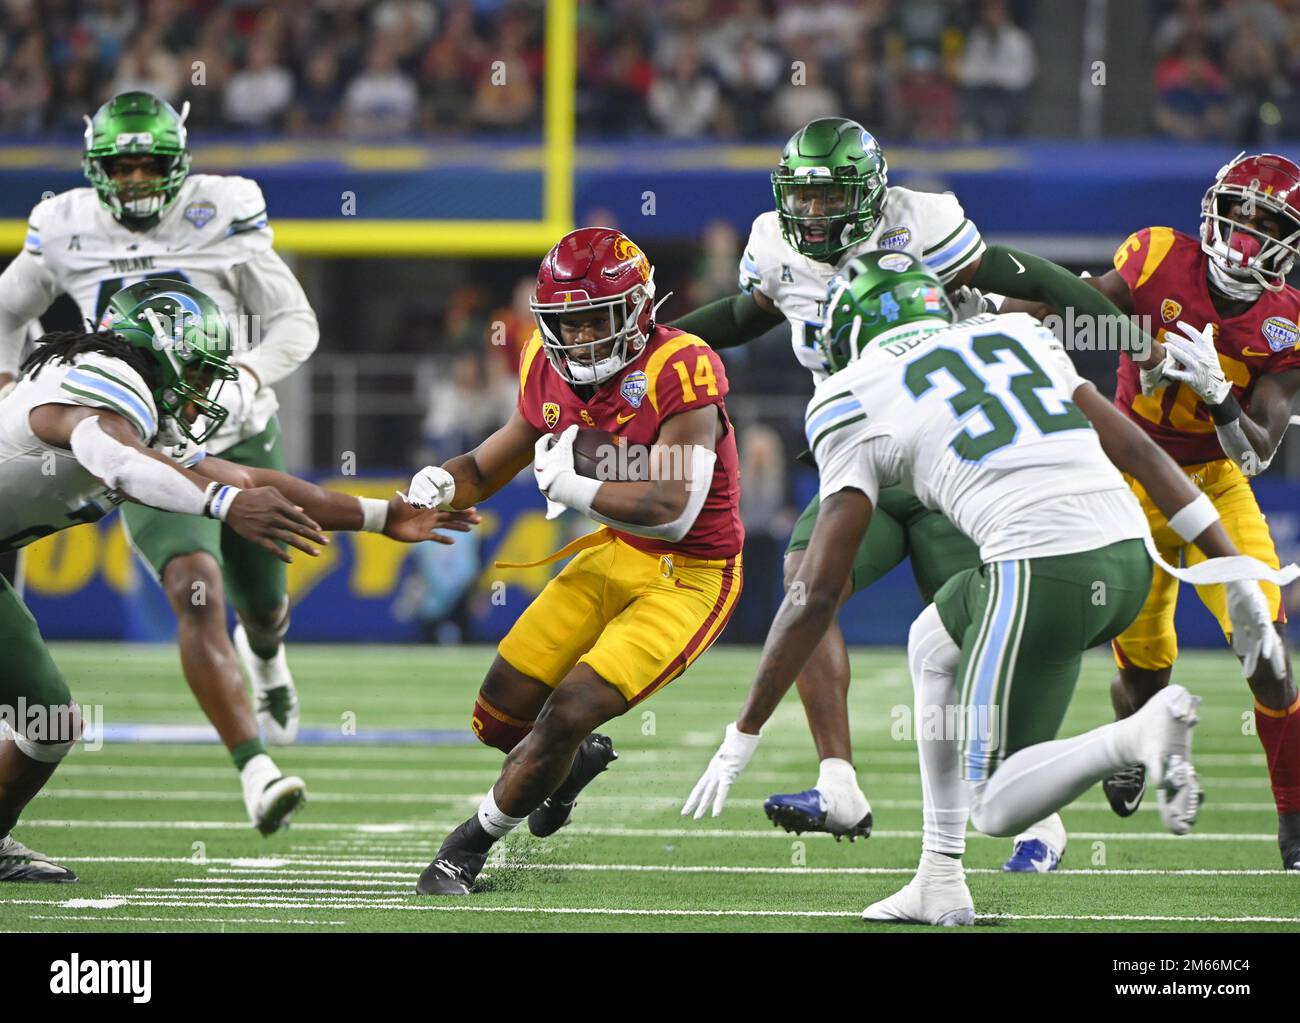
[159,836]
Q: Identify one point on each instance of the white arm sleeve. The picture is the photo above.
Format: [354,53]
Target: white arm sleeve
[288,329]
[27,289]
[698,484]
[1232,438]
[144,479]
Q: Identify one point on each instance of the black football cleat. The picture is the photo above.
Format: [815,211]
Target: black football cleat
[1124,789]
[18,863]
[1288,839]
[594,755]
[458,863]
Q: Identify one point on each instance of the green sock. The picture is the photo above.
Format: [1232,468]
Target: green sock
[246,751]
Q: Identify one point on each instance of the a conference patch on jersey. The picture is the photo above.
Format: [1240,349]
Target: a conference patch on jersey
[896,239]
[551,413]
[1280,333]
[200,212]
[1169,310]
[634,387]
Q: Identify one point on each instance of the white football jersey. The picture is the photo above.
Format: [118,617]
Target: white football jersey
[216,225]
[930,226]
[44,489]
[977,421]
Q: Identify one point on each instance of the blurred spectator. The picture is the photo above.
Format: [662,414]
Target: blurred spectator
[715,273]
[1189,18]
[259,95]
[1191,104]
[439,592]
[460,413]
[513,325]
[1256,87]
[25,87]
[803,98]
[505,96]
[996,68]
[684,102]
[382,100]
[147,66]
[749,72]
[317,108]
[925,104]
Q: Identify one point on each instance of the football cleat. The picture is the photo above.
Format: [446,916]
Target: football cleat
[937,896]
[1288,839]
[594,755]
[1166,745]
[271,808]
[277,699]
[18,863]
[1124,789]
[798,812]
[457,865]
[1032,856]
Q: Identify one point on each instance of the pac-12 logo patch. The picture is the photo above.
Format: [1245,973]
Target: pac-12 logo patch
[1169,310]
[896,239]
[1280,333]
[634,387]
[550,413]
[200,212]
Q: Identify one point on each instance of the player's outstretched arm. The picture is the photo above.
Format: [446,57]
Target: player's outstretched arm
[732,321]
[333,509]
[802,620]
[107,446]
[1133,452]
[27,289]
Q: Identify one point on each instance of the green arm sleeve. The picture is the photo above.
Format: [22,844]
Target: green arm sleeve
[1023,275]
[729,321]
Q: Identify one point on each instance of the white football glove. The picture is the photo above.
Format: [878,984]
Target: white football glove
[1151,380]
[553,465]
[431,487]
[968,302]
[725,767]
[1253,636]
[1196,363]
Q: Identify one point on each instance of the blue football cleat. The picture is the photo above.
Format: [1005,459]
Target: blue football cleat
[1032,856]
[798,812]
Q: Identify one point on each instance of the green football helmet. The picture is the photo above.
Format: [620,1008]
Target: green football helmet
[876,294]
[137,124]
[829,187]
[187,336]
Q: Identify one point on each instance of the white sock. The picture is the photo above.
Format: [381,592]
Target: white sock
[1050,831]
[257,774]
[496,823]
[837,775]
[932,656]
[1039,780]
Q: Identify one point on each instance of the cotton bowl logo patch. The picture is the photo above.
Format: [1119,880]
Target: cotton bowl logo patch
[633,388]
[895,261]
[1169,310]
[895,239]
[1280,333]
[550,413]
[199,213]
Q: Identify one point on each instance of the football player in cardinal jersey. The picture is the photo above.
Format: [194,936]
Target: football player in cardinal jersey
[1216,393]
[833,203]
[646,594]
[120,415]
[147,217]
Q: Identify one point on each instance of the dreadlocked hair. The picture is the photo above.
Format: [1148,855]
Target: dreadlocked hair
[66,345]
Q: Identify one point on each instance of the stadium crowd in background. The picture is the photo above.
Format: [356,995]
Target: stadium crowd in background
[742,69]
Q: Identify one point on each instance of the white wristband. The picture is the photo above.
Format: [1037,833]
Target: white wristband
[574,491]
[217,500]
[1193,519]
[374,514]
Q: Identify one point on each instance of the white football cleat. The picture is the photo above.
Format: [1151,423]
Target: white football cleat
[18,863]
[277,699]
[270,809]
[937,896]
[1165,740]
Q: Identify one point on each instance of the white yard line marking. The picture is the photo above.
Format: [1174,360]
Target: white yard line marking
[183,920]
[346,904]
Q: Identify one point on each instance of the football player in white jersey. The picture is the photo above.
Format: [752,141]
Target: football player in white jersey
[833,203]
[147,217]
[121,414]
[988,422]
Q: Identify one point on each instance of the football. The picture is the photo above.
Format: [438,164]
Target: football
[601,455]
